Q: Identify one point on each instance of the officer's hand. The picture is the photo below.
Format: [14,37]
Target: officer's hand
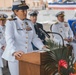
[18,54]
[3,47]
[45,46]
[68,40]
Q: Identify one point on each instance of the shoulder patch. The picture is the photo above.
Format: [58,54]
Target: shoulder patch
[12,19]
[28,19]
[15,19]
[56,23]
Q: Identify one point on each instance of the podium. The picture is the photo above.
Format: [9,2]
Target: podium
[32,63]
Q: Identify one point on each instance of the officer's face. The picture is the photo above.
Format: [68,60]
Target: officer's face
[33,19]
[2,22]
[22,14]
[60,18]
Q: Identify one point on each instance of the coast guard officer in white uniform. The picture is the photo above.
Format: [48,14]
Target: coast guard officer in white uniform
[2,38]
[19,34]
[33,17]
[64,29]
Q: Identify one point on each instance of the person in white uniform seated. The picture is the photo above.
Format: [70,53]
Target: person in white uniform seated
[3,18]
[64,29]
[19,34]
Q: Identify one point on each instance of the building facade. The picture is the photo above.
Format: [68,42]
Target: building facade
[5,3]
[31,3]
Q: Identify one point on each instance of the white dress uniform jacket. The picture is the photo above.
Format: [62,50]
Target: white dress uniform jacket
[18,39]
[2,43]
[66,32]
[64,29]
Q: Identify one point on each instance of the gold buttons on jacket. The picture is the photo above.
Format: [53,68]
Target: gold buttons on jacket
[22,24]
[26,42]
[25,47]
[26,37]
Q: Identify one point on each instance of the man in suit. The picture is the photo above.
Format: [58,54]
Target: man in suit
[64,29]
[2,38]
[33,17]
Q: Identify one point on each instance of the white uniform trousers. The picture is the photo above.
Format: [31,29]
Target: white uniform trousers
[1,71]
[13,67]
[74,49]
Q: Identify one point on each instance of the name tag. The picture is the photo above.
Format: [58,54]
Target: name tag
[19,29]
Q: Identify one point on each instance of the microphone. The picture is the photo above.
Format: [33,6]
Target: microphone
[44,32]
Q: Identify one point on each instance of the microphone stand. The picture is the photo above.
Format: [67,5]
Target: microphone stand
[46,33]
[57,34]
